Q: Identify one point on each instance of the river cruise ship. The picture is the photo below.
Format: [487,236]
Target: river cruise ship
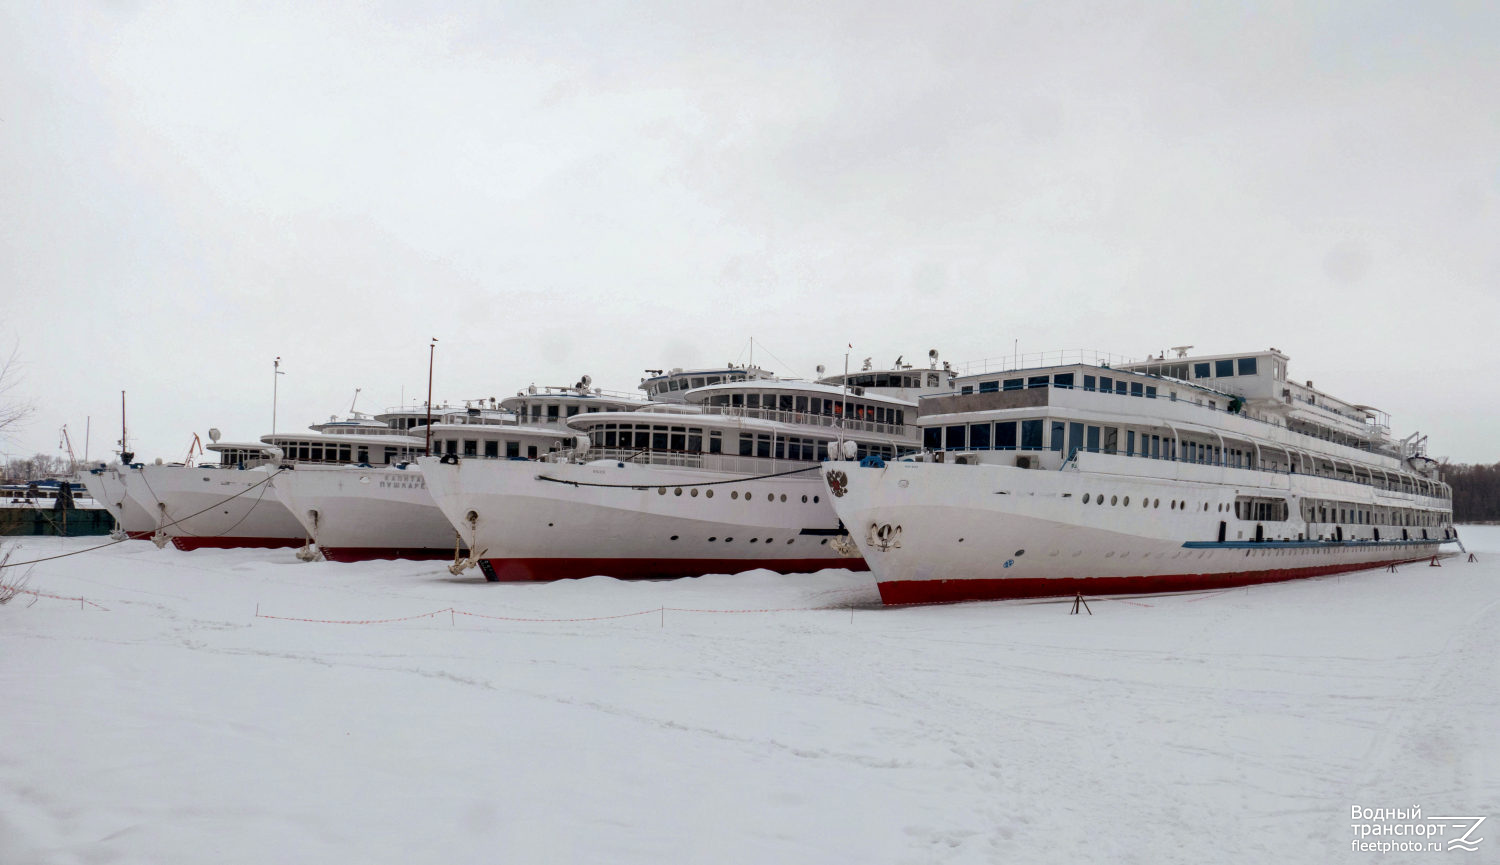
[233,503]
[1107,477]
[354,512]
[722,480]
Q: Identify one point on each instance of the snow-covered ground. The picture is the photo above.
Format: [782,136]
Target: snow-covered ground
[171,724]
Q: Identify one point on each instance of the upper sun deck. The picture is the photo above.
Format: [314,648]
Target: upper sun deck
[554,405]
[791,402]
[900,380]
[670,385]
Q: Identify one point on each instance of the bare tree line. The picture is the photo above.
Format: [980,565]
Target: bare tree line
[1476,492]
[35,468]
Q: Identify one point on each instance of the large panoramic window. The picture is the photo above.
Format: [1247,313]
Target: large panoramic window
[1005,435]
[1200,370]
[1223,368]
[1031,435]
[1247,365]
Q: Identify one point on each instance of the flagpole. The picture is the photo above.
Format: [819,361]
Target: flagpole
[431,351]
[276,373]
[844,412]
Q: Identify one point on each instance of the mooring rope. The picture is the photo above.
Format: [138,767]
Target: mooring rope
[122,540]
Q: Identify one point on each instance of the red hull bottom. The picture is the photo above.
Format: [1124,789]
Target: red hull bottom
[365,554]
[948,591]
[139,536]
[546,570]
[226,543]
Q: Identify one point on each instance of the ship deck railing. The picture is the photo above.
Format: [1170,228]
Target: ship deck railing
[1072,458]
[708,462]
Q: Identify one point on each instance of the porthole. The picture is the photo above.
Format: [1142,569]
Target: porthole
[960,540]
[789,540]
[729,540]
[677,492]
[1100,499]
[822,542]
[1156,504]
[815,499]
[1114,500]
[770,497]
[1205,507]
[1125,502]
[708,494]
[1085,498]
[694,492]
[1174,504]
[712,539]
[734,494]
[753,540]
[1020,553]
[674,537]
[804,500]
[769,541]
[661,491]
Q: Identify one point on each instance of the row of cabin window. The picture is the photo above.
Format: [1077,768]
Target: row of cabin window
[1205,369]
[1325,511]
[885,379]
[690,440]
[798,403]
[318,452]
[492,448]
[1070,437]
[1103,384]
[690,382]
[1264,510]
[553,410]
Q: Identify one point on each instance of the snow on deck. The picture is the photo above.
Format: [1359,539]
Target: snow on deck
[170,724]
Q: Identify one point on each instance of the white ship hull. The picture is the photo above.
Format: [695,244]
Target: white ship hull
[109,488]
[201,507]
[354,513]
[544,521]
[936,532]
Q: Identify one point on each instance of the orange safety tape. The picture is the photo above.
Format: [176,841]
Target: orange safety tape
[4,587]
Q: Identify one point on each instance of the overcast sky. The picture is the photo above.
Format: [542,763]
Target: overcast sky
[553,189]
